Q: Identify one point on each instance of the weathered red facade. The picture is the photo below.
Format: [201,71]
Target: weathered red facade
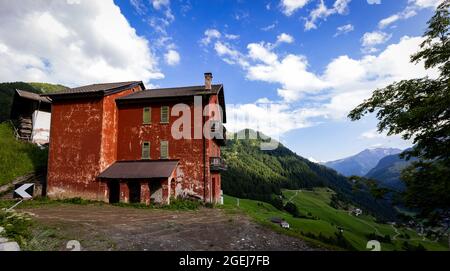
[90,134]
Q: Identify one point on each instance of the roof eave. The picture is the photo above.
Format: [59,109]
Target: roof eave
[92,94]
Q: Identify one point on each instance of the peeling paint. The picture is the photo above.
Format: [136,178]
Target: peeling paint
[87,136]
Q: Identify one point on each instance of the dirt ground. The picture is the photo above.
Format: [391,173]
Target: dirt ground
[119,228]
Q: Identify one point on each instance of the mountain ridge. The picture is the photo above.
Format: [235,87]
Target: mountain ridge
[388,171]
[256,174]
[361,163]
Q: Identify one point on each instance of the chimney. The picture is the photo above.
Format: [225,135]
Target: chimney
[208,79]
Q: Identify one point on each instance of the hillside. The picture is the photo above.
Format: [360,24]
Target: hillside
[7,93]
[18,158]
[387,172]
[323,223]
[261,175]
[360,163]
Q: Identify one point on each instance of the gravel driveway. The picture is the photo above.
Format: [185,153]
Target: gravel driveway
[108,227]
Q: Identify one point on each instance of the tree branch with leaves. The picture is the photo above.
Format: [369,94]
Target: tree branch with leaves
[419,110]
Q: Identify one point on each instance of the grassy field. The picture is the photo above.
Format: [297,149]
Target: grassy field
[17,158]
[324,222]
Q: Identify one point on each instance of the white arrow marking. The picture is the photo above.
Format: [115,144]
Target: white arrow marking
[21,190]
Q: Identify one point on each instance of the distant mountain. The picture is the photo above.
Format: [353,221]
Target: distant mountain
[256,174]
[361,163]
[387,172]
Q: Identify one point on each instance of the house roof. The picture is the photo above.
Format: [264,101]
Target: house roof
[176,92]
[94,90]
[33,96]
[140,169]
[172,92]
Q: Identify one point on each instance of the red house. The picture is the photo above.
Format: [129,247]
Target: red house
[121,142]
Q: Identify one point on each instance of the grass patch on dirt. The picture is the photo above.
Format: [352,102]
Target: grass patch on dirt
[175,204]
[17,226]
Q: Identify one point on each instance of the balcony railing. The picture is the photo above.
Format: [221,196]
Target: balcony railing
[217,164]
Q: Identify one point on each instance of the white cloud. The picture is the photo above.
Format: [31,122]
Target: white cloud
[344,84]
[425,3]
[241,15]
[406,14]
[388,20]
[290,6]
[158,4]
[231,36]
[370,40]
[410,11]
[272,118]
[372,134]
[159,22]
[374,38]
[285,38]
[139,6]
[71,44]
[229,55]
[260,52]
[290,73]
[269,27]
[341,6]
[353,80]
[172,58]
[322,12]
[384,140]
[344,29]
[373,2]
[209,35]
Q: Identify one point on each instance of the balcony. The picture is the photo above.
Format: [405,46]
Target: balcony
[217,164]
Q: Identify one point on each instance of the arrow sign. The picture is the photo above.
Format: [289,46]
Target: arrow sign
[24,191]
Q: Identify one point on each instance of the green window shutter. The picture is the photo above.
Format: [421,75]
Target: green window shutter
[164,114]
[147,115]
[164,149]
[146,150]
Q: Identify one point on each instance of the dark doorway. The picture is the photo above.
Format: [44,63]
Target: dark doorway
[156,193]
[135,192]
[114,191]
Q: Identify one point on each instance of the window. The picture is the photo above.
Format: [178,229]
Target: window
[147,115]
[164,114]
[164,149]
[146,150]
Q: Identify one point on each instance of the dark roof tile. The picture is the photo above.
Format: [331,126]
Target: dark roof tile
[96,88]
[140,169]
[171,92]
[32,96]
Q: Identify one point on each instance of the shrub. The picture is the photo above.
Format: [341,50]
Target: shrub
[17,226]
[76,200]
[337,240]
[292,209]
[277,203]
[182,204]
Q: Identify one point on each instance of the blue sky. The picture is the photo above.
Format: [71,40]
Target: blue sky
[291,68]
[263,21]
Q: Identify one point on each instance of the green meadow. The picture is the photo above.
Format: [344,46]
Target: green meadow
[18,158]
[322,221]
